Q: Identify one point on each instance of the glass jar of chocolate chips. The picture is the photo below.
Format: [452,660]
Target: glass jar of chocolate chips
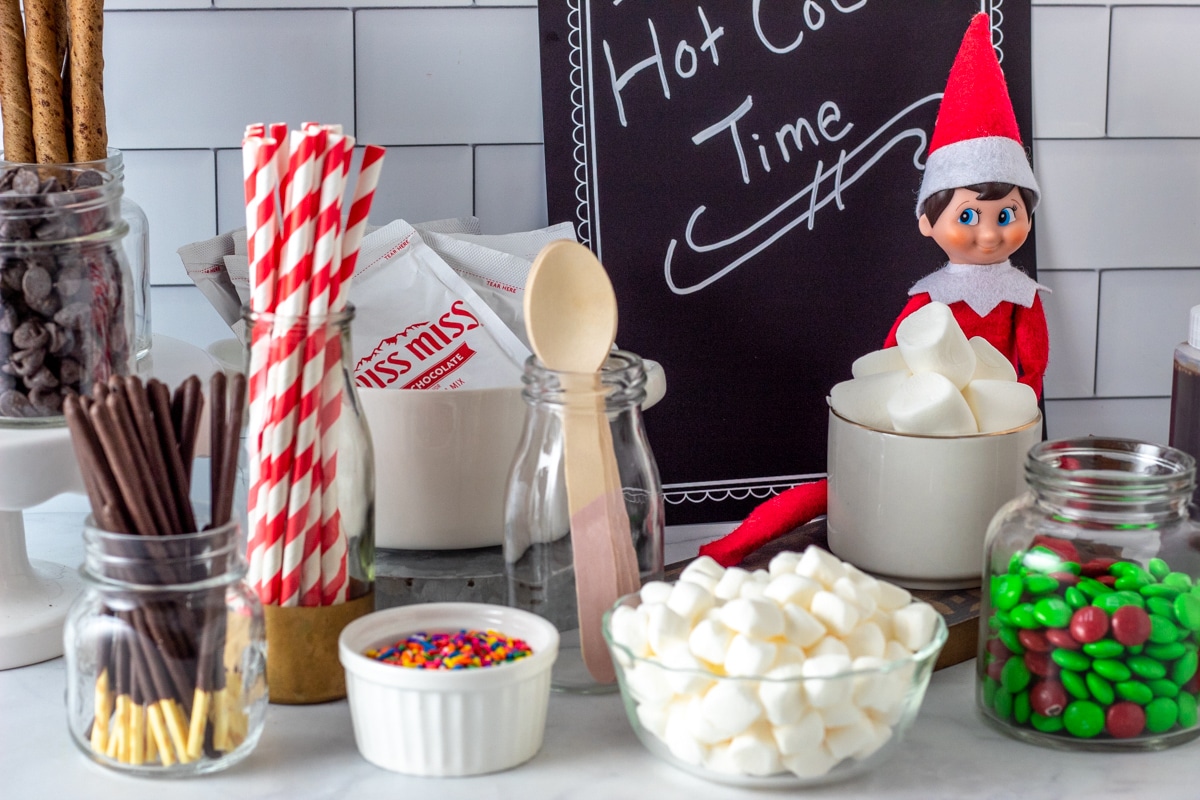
[66,318]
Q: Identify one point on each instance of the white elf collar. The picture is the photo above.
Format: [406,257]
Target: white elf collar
[980,286]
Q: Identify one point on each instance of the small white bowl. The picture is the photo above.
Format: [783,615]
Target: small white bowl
[447,722]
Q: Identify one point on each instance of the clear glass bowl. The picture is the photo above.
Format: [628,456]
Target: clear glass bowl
[861,718]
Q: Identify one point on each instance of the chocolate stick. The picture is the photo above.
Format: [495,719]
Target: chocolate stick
[152,450]
[15,105]
[230,449]
[45,81]
[160,401]
[189,400]
[151,486]
[216,439]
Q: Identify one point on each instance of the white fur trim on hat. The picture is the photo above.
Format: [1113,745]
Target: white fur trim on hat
[980,160]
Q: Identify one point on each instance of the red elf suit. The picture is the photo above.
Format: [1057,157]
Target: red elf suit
[975,141]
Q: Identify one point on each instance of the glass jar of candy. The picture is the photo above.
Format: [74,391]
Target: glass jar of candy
[1090,619]
[165,653]
[66,319]
[537,548]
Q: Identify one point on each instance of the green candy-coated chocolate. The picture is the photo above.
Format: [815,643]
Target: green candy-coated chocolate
[1134,691]
[1187,611]
[1146,667]
[1111,670]
[1040,584]
[1168,651]
[1071,659]
[1158,590]
[1046,724]
[1163,687]
[1011,639]
[1104,648]
[1014,676]
[1132,581]
[1022,708]
[1100,689]
[1075,684]
[1163,606]
[1161,714]
[1075,598]
[1162,630]
[1188,716]
[1052,612]
[1014,563]
[1083,719]
[1183,669]
[1122,568]
[1003,704]
[1022,616]
[1072,567]
[1042,559]
[1093,588]
[1178,580]
[1006,591]
[989,691]
[1158,568]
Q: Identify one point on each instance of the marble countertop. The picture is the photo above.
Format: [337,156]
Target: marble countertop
[589,752]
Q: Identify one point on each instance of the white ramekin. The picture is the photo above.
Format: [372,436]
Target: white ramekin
[444,722]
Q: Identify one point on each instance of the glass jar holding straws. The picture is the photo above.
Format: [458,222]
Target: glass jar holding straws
[165,648]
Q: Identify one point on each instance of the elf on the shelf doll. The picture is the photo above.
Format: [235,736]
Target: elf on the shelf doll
[976,199]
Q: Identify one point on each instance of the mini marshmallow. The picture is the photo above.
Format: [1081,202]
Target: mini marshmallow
[811,763]
[825,684]
[931,340]
[705,567]
[865,640]
[800,627]
[648,685]
[820,565]
[1000,405]
[889,359]
[883,620]
[755,617]
[894,651]
[653,718]
[678,736]
[754,752]
[690,601]
[685,674]
[628,627]
[783,562]
[749,657]
[752,590]
[719,760]
[731,706]
[729,585]
[841,715]
[914,624]
[665,628]
[657,592]
[704,731]
[929,404]
[864,400]
[709,640]
[829,646]
[855,594]
[789,654]
[892,597]
[881,691]
[845,741]
[868,681]
[990,363]
[782,694]
[882,734]
[836,614]
[805,733]
[791,588]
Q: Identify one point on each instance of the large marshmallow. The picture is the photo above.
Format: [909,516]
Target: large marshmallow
[690,601]
[913,625]
[990,363]
[887,360]
[782,694]
[732,706]
[710,639]
[931,340]
[1000,405]
[754,752]
[864,400]
[748,657]
[929,403]
[756,617]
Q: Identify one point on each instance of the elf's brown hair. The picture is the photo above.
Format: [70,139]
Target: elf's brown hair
[936,203]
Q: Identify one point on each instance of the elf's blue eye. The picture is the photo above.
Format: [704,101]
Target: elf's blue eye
[1007,216]
[969,216]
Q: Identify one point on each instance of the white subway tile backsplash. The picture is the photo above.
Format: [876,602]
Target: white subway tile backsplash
[1147,419]
[175,189]
[1071,310]
[423,183]
[197,78]
[154,5]
[448,76]
[510,187]
[231,197]
[1153,53]
[1143,315]
[1118,203]
[289,4]
[183,313]
[1070,71]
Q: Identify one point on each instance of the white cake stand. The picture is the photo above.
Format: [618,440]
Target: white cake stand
[38,464]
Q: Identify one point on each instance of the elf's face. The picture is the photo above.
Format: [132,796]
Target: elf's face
[974,231]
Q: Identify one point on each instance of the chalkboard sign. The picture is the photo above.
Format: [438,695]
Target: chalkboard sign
[747,172]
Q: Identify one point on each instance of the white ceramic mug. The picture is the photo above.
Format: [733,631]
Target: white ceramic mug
[914,509]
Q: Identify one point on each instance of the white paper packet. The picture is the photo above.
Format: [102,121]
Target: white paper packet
[418,325]
[523,244]
[204,263]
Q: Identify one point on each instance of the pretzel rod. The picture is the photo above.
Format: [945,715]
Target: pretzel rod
[14,86]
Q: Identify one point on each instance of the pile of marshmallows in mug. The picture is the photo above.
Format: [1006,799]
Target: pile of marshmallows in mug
[935,382]
[796,667]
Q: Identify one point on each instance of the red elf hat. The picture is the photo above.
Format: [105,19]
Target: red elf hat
[975,139]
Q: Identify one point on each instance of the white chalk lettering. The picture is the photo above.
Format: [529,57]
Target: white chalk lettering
[814,20]
[730,123]
[619,83]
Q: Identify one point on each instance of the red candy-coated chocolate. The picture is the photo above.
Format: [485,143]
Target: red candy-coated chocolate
[1035,640]
[1061,637]
[1130,625]
[1089,624]
[996,668]
[1064,548]
[1048,698]
[1124,720]
[998,649]
[1041,664]
[1065,578]
[1096,566]
[1192,685]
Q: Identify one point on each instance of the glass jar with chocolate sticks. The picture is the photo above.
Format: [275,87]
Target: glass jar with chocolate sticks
[66,320]
[165,648]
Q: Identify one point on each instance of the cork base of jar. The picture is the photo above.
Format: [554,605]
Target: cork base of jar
[302,650]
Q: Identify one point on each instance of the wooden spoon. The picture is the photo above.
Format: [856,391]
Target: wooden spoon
[571,320]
